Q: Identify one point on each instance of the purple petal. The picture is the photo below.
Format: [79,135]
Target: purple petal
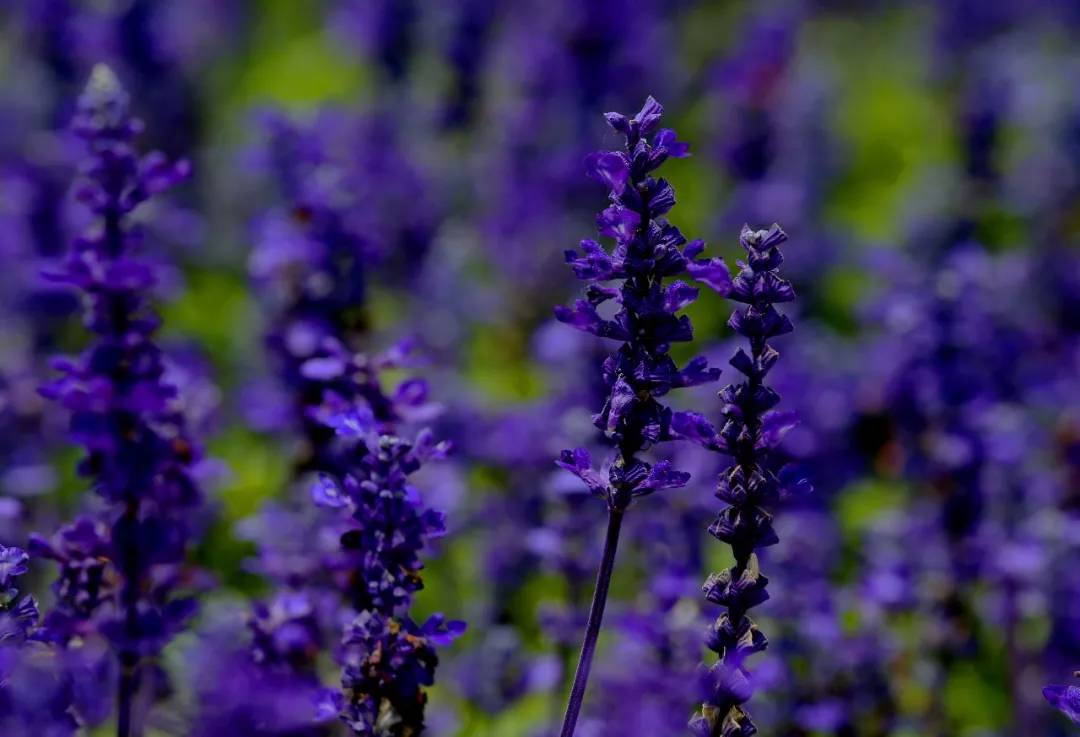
[1066,699]
[323,369]
[713,272]
[354,424]
[579,463]
[678,295]
[774,426]
[649,115]
[426,448]
[618,223]
[618,121]
[13,562]
[412,392]
[596,264]
[621,399]
[696,428]
[665,138]
[609,167]
[662,476]
[697,372]
[694,248]
[326,492]
[585,317]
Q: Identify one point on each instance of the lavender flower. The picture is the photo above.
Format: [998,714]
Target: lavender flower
[648,250]
[87,580]
[387,658]
[122,409]
[341,213]
[369,577]
[752,430]
[18,614]
[361,552]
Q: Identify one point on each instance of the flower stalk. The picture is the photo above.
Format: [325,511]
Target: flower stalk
[751,432]
[648,251]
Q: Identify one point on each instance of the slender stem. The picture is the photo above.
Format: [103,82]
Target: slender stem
[129,659]
[1014,655]
[125,694]
[592,628]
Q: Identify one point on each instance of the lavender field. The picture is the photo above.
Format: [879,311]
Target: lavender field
[539,368]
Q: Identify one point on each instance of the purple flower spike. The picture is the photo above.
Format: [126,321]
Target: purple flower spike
[648,252]
[326,493]
[118,574]
[751,431]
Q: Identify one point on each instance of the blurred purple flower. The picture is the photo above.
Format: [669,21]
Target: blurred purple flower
[123,410]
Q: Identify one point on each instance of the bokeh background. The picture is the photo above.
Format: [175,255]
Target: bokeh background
[923,157]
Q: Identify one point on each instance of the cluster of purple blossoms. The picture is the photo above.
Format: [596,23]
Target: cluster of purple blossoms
[120,573]
[349,587]
[316,250]
[18,613]
[387,659]
[751,431]
[648,251]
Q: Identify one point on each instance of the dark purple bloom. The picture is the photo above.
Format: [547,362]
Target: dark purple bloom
[44,690]
[124,412]
[87,580]
[750,486]
[287,632]
[387,659]
[648,251]
[388,529]
[387,662]
[351,198]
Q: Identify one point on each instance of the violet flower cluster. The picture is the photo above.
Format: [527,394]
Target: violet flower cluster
[648,250]
[751,431]
[18,612]
[354,583]
[387,658]
[119,574]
